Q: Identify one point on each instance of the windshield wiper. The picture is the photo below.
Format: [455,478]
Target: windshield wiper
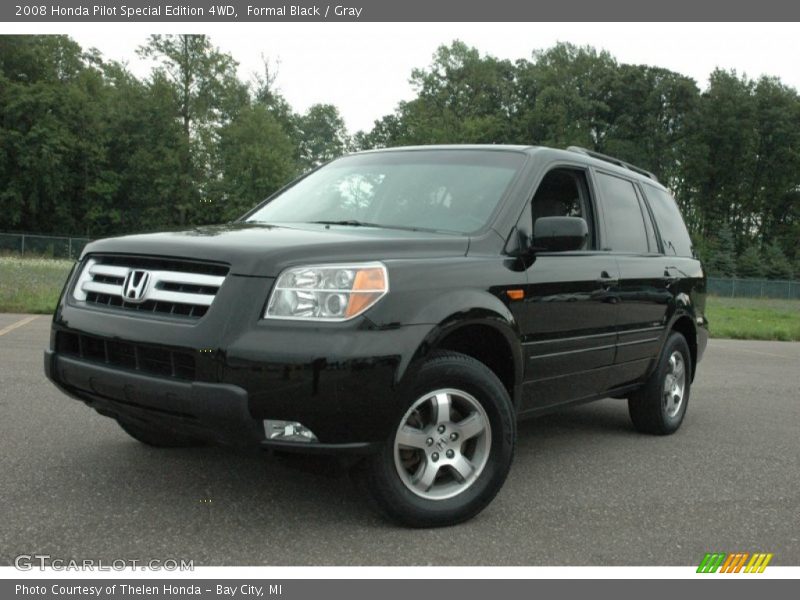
[357,223]
[348,222]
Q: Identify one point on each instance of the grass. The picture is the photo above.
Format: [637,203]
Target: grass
[754,318]
[32,285]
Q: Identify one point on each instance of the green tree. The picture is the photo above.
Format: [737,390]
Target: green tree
[257,158]
[750,263]
[386,132]
[145,147]
[86,147]
[775,181]
[322,135]
[207,95]
[265,92]
[52,154]
[726,129]
[462,97]
[721,261]
[565,96]
[652,120]
[776,265]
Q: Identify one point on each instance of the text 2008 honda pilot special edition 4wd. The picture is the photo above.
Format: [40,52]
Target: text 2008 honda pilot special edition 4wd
[404,305]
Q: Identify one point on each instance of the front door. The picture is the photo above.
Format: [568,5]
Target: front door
[569,313]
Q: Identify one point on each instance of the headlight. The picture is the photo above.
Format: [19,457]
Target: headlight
[327,292]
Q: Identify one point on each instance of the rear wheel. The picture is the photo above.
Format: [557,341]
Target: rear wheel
[660,405]
[158,438]
[452,448]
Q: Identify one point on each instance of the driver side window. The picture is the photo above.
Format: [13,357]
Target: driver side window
[563,193]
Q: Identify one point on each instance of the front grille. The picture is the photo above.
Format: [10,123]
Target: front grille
[154,360]
[173,287]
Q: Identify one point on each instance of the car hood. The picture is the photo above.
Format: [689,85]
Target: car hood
[265,250]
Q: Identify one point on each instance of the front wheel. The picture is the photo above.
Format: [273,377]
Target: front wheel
[452,448]
[660,405]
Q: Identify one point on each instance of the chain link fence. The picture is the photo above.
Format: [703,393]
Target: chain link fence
[26,244]
[753,288]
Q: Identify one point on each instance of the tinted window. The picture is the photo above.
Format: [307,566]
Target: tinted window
[443,190]
[624,222]
[670,223]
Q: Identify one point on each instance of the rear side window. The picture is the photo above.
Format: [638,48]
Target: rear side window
[670,223]
[624,221]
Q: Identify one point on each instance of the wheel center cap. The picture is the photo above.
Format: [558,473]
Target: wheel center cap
[442,442]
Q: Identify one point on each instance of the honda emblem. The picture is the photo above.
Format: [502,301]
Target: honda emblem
[135,287]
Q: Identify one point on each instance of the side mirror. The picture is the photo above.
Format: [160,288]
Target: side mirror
[560,234]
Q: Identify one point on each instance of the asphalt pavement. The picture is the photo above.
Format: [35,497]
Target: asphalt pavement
[585,489]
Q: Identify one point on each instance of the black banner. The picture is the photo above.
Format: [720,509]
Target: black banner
[405,10]
[336,589]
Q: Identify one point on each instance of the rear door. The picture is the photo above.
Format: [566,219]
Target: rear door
[644,298]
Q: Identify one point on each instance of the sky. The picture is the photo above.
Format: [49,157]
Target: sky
[363,68]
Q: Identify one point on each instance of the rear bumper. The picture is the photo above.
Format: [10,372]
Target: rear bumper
[214,412]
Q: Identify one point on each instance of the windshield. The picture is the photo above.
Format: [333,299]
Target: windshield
[442,190]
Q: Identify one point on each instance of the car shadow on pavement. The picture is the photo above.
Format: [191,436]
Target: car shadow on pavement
[607,418]
[295,485]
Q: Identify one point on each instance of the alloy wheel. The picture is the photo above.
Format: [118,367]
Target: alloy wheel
[442,444]
[674,385]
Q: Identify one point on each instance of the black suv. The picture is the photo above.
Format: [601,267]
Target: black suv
[405,306]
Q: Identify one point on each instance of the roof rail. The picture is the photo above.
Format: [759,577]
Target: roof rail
[612,160]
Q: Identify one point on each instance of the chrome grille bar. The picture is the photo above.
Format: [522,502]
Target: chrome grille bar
[110,270]
[102,288]
[107,281]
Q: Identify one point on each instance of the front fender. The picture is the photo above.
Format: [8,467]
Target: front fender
[440,296]
[455,304]
[458,310]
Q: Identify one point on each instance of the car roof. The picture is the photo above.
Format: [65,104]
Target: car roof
[484,147]
[571,154]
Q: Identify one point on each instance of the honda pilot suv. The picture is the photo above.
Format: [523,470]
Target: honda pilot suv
[404,306]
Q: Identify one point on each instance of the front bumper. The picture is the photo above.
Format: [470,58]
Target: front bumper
[342,382]
[216,413]
[213,412]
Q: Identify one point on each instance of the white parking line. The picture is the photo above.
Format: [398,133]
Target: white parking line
[19,323]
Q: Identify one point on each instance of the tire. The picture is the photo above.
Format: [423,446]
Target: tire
[158,438]
[473,443]
[652,409]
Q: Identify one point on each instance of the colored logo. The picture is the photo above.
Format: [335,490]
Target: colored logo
[736,562]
